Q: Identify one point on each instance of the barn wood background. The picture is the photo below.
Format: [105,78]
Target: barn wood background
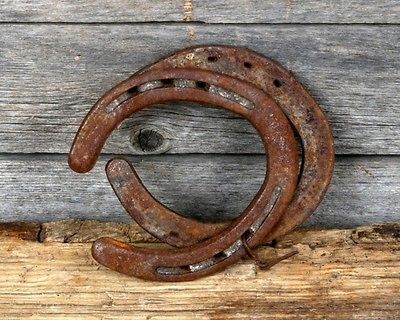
[58,57]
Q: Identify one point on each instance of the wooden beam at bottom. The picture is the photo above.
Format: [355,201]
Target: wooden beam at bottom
[338,274]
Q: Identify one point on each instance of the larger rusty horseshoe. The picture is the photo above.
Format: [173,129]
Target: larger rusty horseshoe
[215,76]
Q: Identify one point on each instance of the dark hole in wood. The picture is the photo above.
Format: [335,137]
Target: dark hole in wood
[277,83]
[247,65]
[150,140]
[212,59]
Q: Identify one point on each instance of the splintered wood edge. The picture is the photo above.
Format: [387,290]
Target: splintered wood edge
[84,231]
[354,272]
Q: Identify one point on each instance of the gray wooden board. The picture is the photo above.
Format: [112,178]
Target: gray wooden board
[210,11]
[91,11]
[52,74]
[42,188]
[297,11]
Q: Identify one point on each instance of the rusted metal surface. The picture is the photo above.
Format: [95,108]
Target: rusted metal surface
[243,82]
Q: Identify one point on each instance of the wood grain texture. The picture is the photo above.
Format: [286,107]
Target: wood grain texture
[52,74]
[353,272]
[43,188]
[91,11]
[210,11]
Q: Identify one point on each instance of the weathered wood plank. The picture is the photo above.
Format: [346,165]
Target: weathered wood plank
[42,188]
[91,11]
[299,11]
[51,74]
[210,11]
[353,272]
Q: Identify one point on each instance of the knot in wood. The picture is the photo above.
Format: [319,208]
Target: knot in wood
[149,140]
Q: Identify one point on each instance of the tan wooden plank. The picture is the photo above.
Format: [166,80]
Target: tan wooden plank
[210,11]
[52,74]
[43,188]
[353,274]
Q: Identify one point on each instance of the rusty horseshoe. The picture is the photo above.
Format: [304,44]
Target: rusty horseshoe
[243,82]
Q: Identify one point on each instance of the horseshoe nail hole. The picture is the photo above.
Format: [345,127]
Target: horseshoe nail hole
[150,140]
[132,90]
[277,83]
[247,65]
[174,234]
[185,268]
[220,255]
[167,82]
[273,243]
[202,85]
[212,59]
[247,234]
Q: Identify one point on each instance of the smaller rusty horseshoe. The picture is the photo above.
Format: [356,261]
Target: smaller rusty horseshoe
[190,75]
